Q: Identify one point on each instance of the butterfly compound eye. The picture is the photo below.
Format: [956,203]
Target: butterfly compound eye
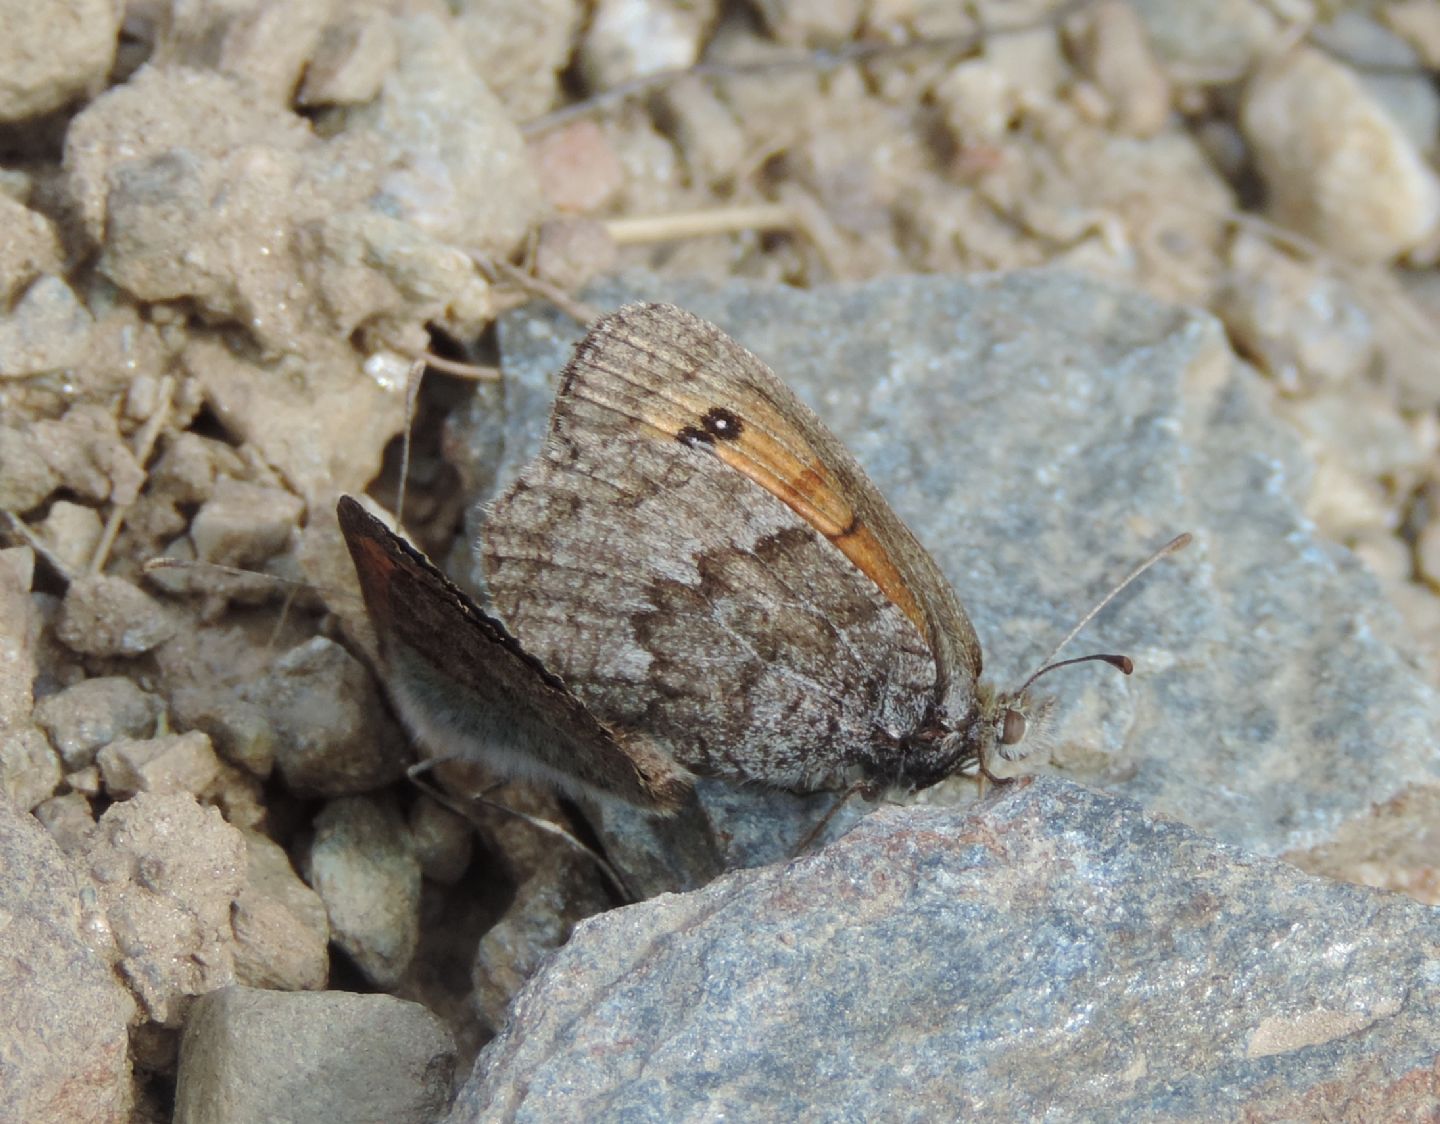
[1012,732]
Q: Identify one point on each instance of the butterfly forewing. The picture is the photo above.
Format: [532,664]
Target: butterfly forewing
[696,555]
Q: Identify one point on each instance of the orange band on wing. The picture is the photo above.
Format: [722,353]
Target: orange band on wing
[809,489]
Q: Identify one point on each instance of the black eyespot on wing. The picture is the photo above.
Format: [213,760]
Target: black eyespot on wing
[690,436]
[722,424]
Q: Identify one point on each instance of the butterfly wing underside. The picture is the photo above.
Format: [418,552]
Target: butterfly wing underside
[466,687]
[698,556]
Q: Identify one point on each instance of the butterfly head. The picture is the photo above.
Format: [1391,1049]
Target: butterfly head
[1015,724]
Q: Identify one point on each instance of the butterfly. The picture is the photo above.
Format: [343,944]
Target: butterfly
[694,576]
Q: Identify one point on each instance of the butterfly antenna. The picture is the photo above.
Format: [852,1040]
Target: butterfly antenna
[412,396]
[1178,543]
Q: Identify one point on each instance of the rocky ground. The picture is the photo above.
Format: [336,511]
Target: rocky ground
[226,233]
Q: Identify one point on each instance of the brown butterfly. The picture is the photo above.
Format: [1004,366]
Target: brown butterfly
[696,577]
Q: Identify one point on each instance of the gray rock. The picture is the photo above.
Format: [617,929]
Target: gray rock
[104,615]
[1041,433]
[165,764]
[538,920]
[333,735]
[47,330]
[83,719]
[63,1041]
[363,865]
[250,1055]
[1053,953]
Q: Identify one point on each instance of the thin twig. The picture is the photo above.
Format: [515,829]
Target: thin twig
[412,395]
[577,310]
[37,544]
[144,446]
[695,224]
[472,371]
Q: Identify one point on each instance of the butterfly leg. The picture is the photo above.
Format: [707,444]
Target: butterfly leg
[866,789]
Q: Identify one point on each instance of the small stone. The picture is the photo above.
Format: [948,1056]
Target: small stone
[521,48]
[333,735]
[52,54]
[29,768]
[444,840]
[83,719]
[71,531]
[628,39]
[250,1056]
[710,138]
[350,62]
[239,796]
[1302,326]
[190,466]
[266,46]
[281,931]
[577,168]
[373,268]
[362,863]
[456,165]
[322,431]
[538,920]
[85,781]
[29,247]
[240,730]
[69,819]
[109,616]
[244,525]
[168,872]
[1113,49]
[570,252]
[1388,556]
[173,763]
[88,453]
[20,629]
[1418,23]
[28,478]
[1211,44]
[47,330]
[1338,167]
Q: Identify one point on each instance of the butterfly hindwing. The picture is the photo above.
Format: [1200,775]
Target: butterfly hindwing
[467,687]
